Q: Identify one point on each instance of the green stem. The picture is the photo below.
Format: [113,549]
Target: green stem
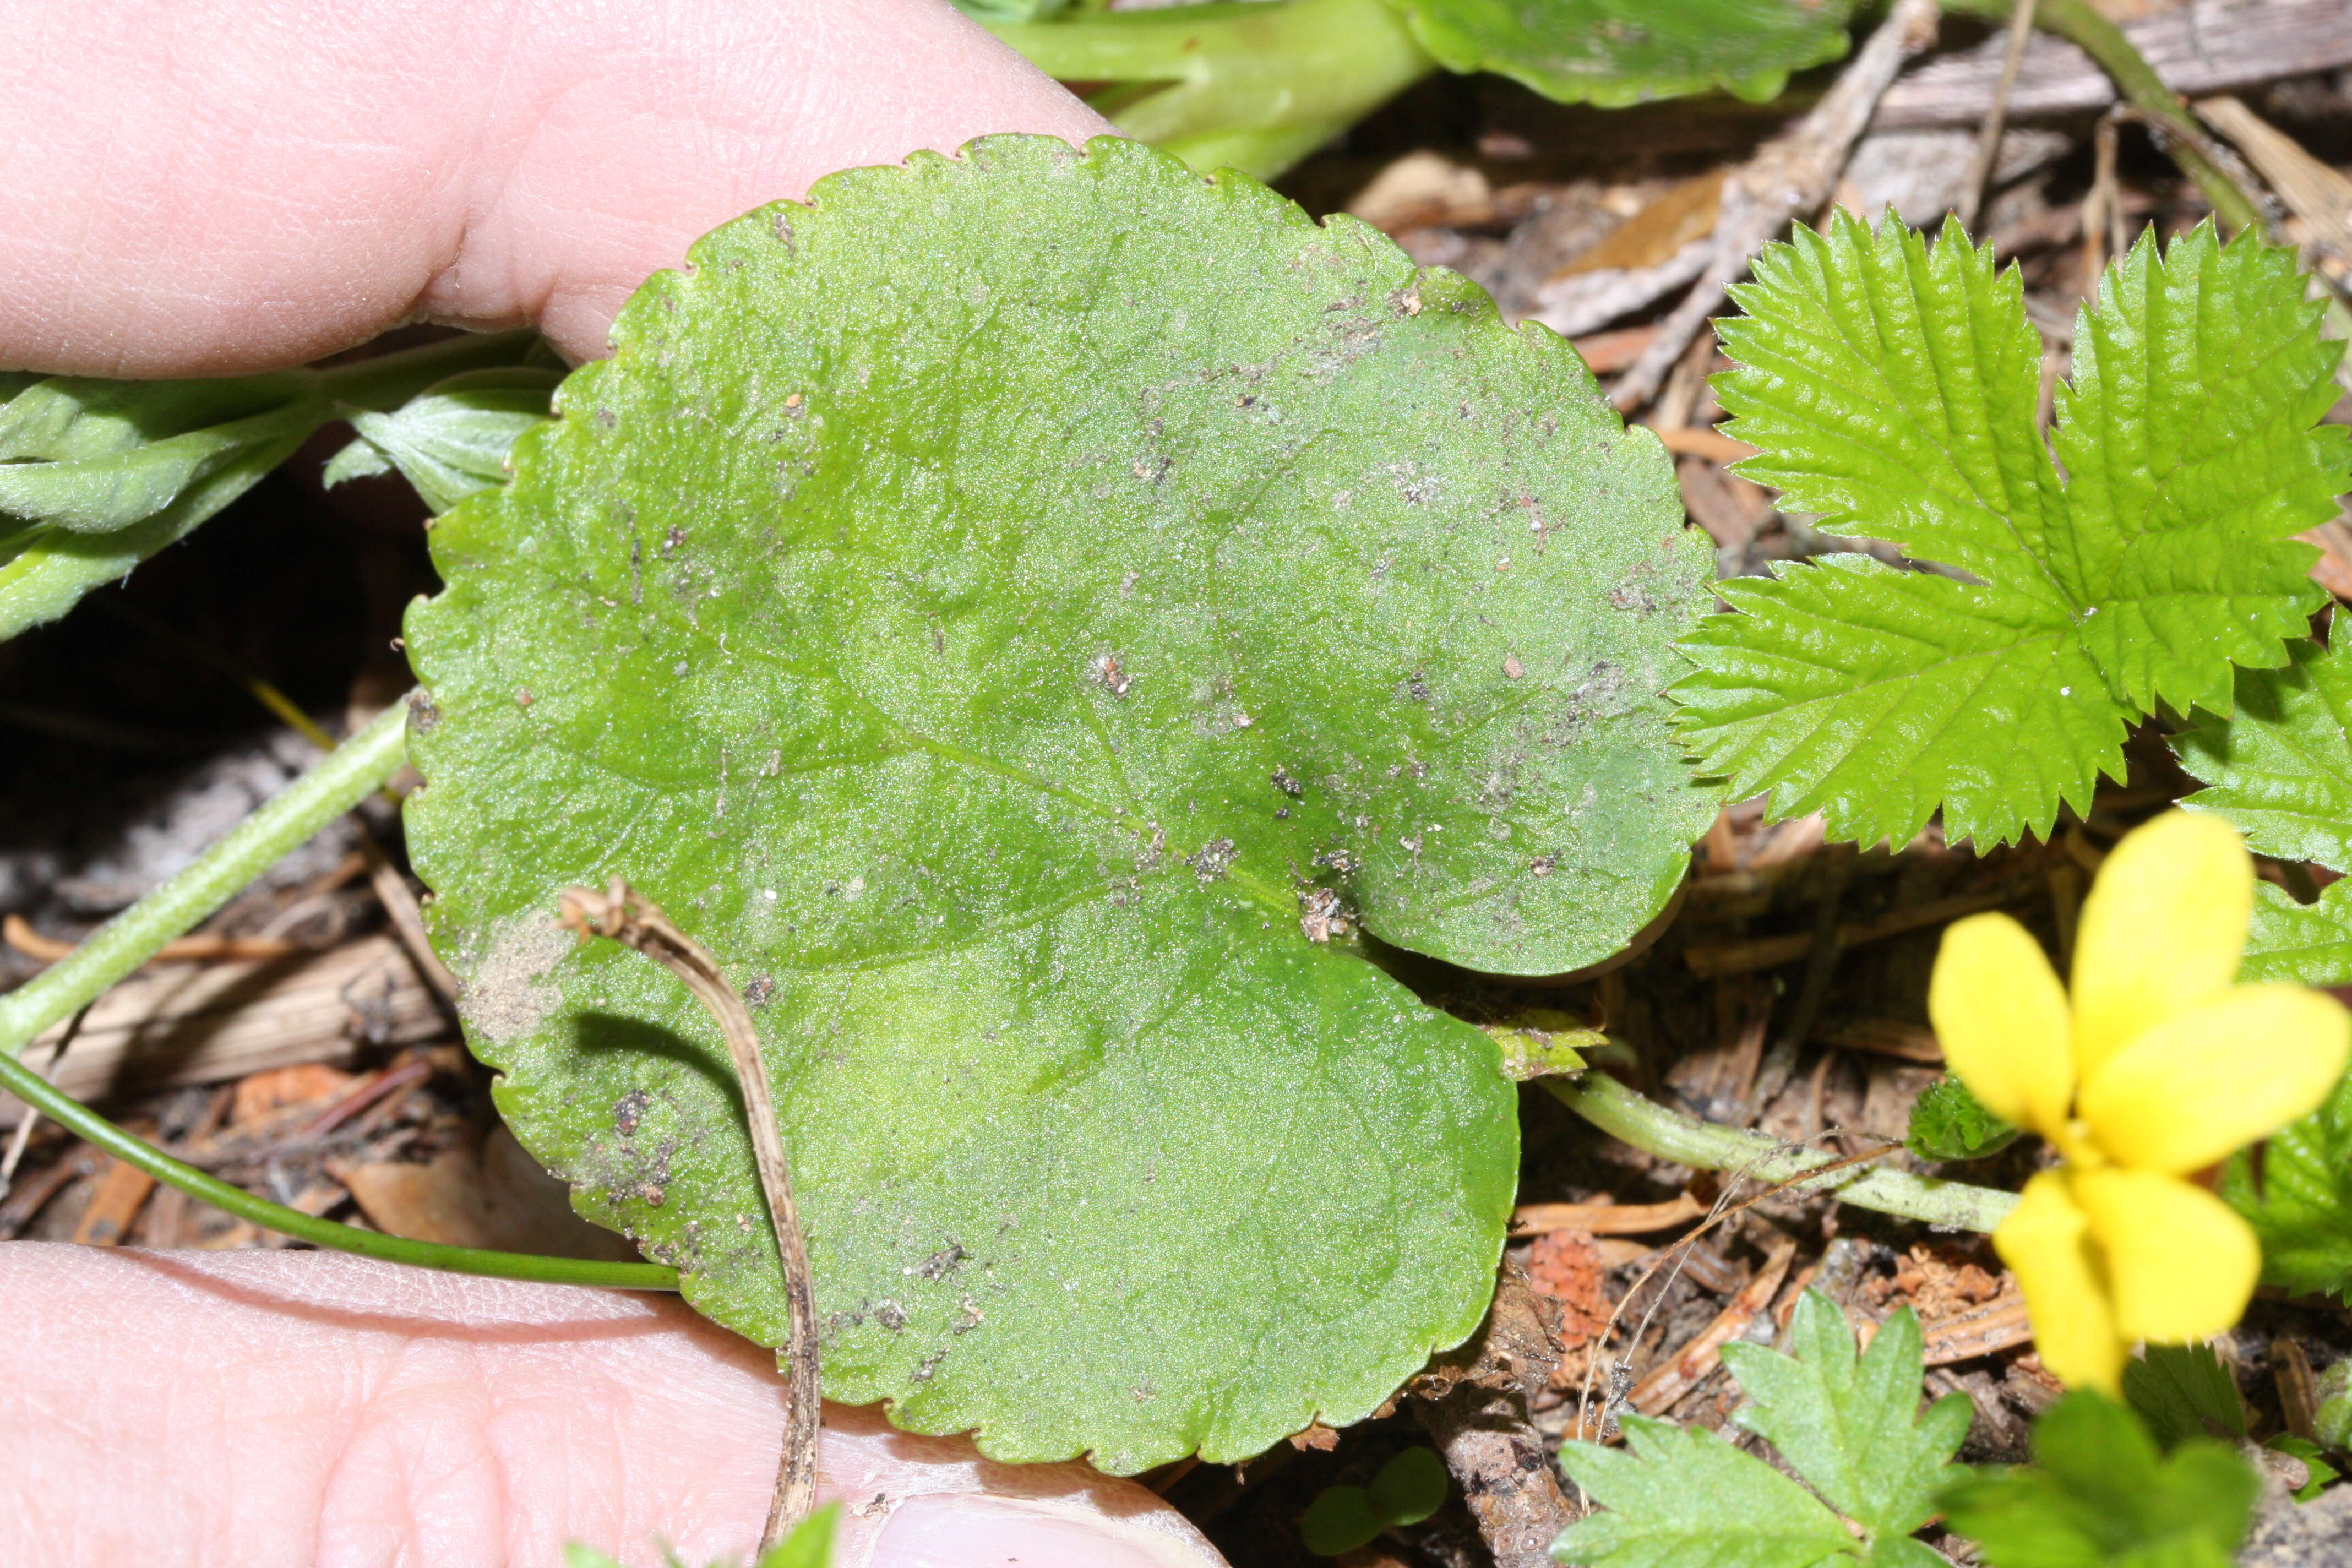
[1255,87]
[1618,1111]
[78,1119]
[2135,80]
[332,788]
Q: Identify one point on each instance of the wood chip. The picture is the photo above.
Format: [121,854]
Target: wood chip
[19,934]
[1685,1370]
[122,1193]
[496,1198]
[183,1024]
[1980,1330]
[2219,46]
[1605,1219]
[1883,1038]
[1711,959]
[1703,441]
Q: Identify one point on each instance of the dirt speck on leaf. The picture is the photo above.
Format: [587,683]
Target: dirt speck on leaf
[507,994]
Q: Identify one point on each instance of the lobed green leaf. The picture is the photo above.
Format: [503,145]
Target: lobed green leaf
[1682,1495]
[2280,766]
[2098,1496]
[1890,387]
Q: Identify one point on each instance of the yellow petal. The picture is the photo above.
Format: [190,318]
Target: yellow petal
[2180,1263]
[2161,930]
[2045,1241]
[2001,1016]
[2211,1080]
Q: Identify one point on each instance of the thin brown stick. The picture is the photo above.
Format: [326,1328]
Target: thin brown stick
[2021,32]
[1786,179]
[1620,1373]
[18,933]
[407,921]
[627,917]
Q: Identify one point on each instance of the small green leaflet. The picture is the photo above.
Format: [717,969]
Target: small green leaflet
[1022,612]
[1408,1488]
[2098,1496]
[1891,388]
[1850,1426]
[1947,1123]
[1616,52]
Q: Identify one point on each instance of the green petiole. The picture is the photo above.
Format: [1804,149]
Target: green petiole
[1652,1128]
[80,1120]
[338,784]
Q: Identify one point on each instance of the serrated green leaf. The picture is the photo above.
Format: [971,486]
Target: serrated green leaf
[2279,767]
[2183,1392]
[1000,608]
[1616,52]
[1682,1495]
[1851,1425]
[2308,945]
[452,439]
[2296,1190]
[2097,1496]
[1947,1123]
[1890,387]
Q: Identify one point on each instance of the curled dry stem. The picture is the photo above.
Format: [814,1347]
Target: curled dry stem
[624,915]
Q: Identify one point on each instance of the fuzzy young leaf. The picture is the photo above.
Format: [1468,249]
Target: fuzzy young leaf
[2097,1496]
[1850,1426]
[1947,1123]
[96,475]
[2296,1192]
[1616,52]
[1009,609]
[452,439]
[1891,388]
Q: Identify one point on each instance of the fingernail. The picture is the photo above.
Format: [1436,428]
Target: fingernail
[971,1532]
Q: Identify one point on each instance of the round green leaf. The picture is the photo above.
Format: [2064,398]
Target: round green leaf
[1024,613]
[1410,1488]
[1340,1519]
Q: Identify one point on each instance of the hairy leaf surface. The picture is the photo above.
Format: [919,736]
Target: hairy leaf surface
[1891,387]
[1616,52]
[1019,612]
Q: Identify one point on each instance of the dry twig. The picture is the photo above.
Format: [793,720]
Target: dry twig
[1787,178]
[2021,33]
[627,917]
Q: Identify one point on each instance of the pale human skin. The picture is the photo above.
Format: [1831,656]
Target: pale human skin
[204,186]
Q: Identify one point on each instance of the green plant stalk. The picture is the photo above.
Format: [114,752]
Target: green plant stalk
[80,1120]
[1652,1128]
[2077,22]
[336,784]
[1255,87]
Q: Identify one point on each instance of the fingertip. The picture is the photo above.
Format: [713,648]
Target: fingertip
[981,1531]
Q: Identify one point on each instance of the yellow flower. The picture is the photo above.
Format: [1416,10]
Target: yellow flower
[2160,1066]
